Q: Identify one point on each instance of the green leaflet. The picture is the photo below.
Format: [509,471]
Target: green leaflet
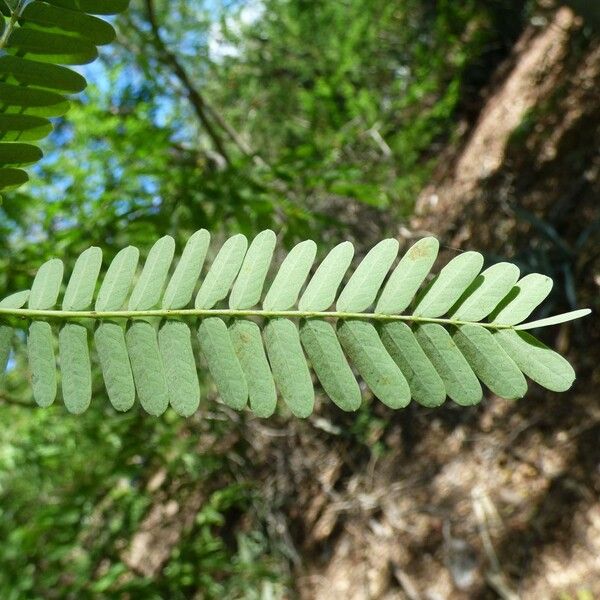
[486,292]
[110,344]
[522,299]
[75,367]
[31,101]
[40,14]
[248,286]
[6,333]
[555,319]
[82,283]
[23,128]
[490,362]
[16,300]
[290,370]
[46,46]
[290,277]
[118,279]
[461,383]
[249,348]
[147,367]
[408,275]
[12,178]
[46,285]
[147,291]
[183,281]
[40,347]
[449,285]
[23,71]
[362,287]
[223,363]
[222,272]
[322,288]
[329,363]
[175,343]
[546,367]
[19,154]
[426,386]
[364,348]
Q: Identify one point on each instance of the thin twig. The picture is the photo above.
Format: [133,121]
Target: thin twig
[12,23]
[198,103]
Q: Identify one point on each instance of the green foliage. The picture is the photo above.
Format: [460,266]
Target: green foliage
[338,104]
[144,342]
[73,491]
[36,37]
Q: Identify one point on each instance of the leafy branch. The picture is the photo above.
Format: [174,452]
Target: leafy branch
[38,38]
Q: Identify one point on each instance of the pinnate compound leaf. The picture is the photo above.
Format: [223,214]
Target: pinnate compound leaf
[55,31]
[150,351]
